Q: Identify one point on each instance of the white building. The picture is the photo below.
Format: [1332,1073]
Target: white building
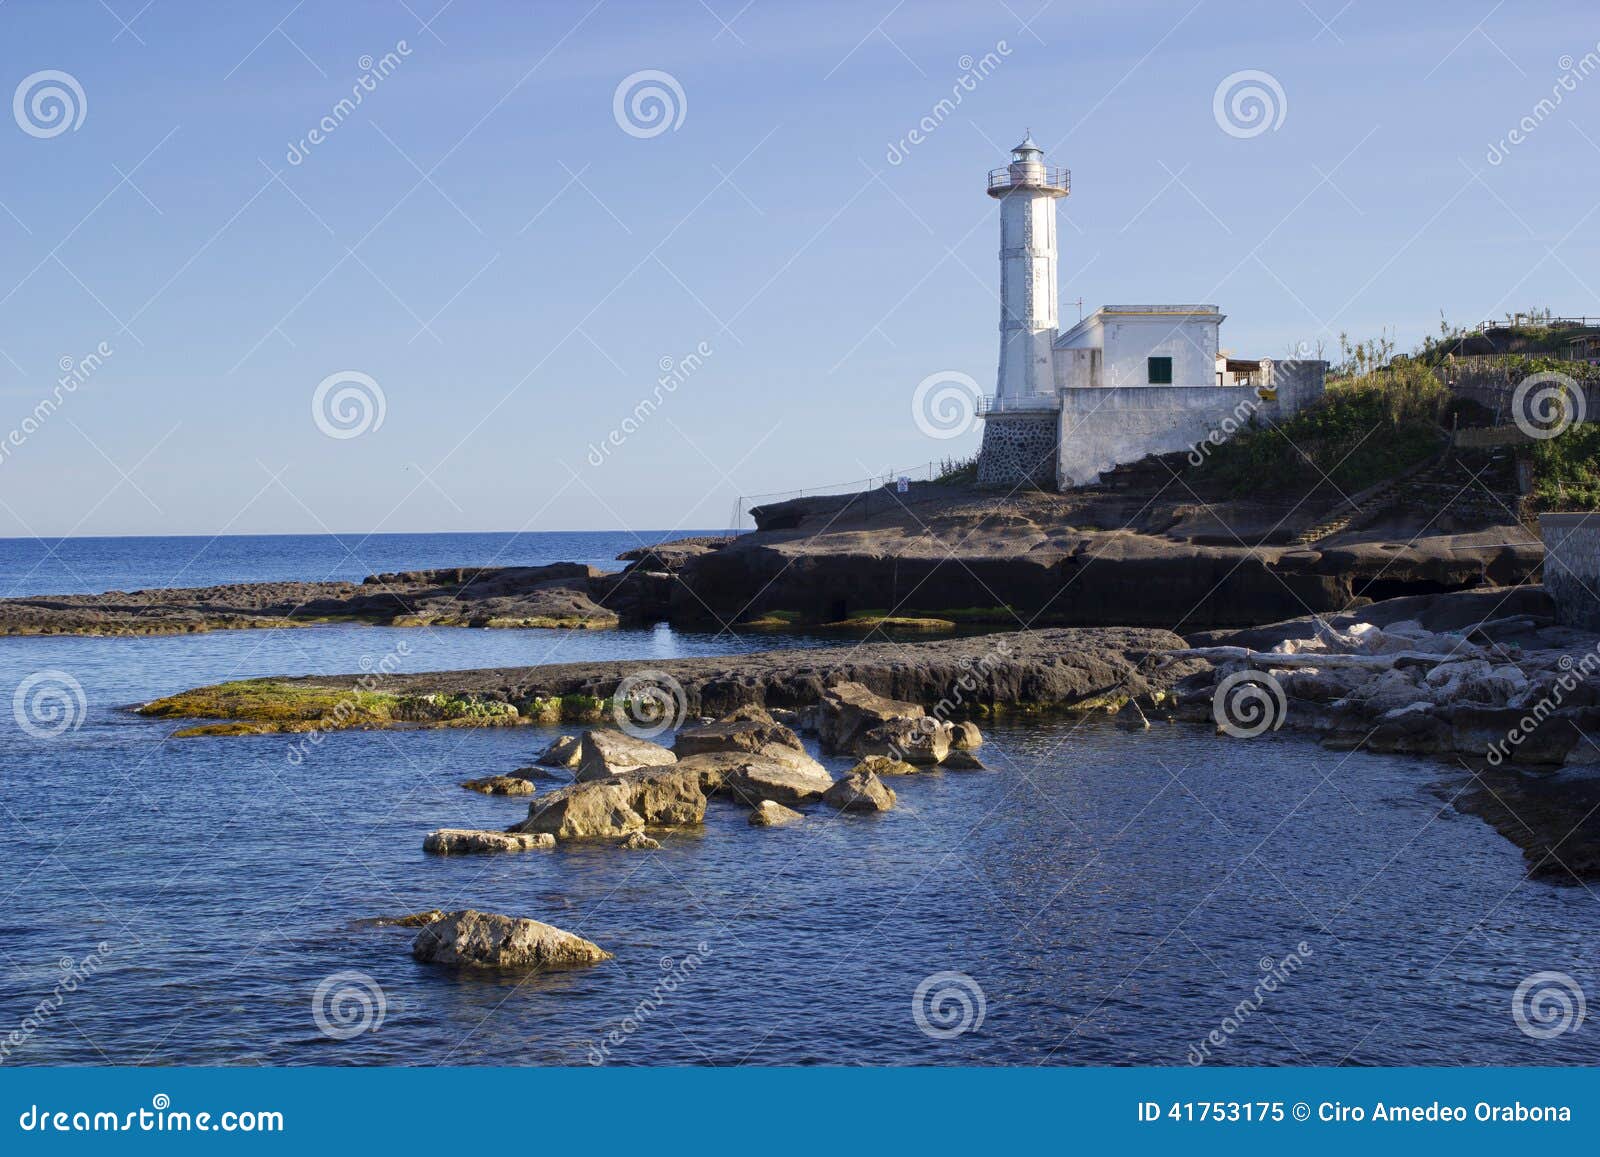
[1125,382]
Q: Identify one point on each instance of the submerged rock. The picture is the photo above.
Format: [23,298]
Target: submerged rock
[474,939]
[639,842]
[768,814]
[466,841]
[604,752]
[860,791]
[963,761]
[413,920]
[501,785]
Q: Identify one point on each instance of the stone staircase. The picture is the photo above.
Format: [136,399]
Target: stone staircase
[1479,486]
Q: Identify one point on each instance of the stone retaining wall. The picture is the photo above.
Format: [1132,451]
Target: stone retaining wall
[1019,450]
[1572,566]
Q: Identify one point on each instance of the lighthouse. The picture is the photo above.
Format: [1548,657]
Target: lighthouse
[1027,190]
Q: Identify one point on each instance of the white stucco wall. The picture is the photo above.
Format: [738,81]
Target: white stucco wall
[1128,336]
[1105,428]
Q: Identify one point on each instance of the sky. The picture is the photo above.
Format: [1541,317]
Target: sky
[444,311]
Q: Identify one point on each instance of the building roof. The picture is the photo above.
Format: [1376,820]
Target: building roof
[1209,313]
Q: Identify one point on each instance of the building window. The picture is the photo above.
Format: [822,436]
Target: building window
[1160,371]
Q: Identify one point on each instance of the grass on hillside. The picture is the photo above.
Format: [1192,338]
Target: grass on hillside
[1566,469]
[1364,429]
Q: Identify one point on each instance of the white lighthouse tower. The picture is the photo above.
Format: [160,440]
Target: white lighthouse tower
[1027,191]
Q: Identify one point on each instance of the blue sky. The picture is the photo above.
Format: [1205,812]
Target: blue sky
[483,240]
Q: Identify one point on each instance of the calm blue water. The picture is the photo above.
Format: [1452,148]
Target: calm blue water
[1111,894]
[31,566]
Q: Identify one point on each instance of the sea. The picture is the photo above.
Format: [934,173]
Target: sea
[1097,896]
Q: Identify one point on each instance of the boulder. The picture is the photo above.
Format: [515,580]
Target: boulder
[463,841]
[604,752]
[619,805]
[881,765]
[962,761]
[768,814]
[713,768]
[639,842]
[847,710]
[473,939]
[500,785]
[734,735]
[749,712]
[965,736]
[562,753]
[762,778]
[923,741]
[798,761]
[860,791]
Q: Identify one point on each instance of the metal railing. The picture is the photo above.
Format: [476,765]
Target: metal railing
[1031,177]
[1039,404]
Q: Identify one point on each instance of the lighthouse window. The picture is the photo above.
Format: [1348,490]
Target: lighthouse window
[1160,371]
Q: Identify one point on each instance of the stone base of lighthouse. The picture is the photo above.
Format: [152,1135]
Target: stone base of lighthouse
[1019,450]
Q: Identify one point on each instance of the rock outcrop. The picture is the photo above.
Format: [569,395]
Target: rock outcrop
[760,777]
[473,939]
[734,735]
[860,791]
[604,753]
[619,805]
[563,752]
[767,814]
[848,710]
[465,841]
